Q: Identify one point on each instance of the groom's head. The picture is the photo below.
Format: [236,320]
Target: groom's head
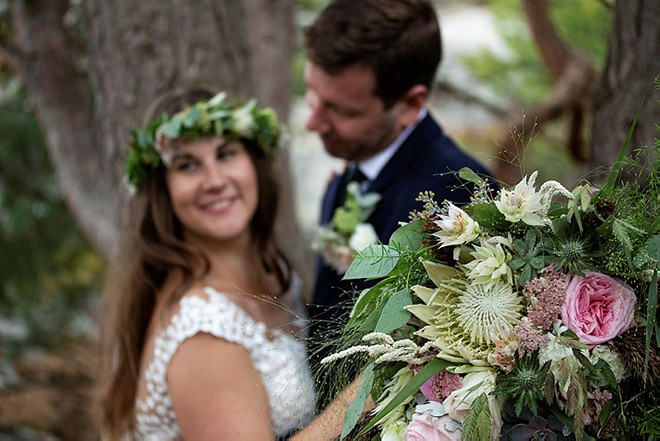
[371,65]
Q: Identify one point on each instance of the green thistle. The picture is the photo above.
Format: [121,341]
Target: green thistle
[524,384]
[571,252]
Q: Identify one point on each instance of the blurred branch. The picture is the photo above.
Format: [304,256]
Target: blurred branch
[465,96]
[572,74]
[553,50]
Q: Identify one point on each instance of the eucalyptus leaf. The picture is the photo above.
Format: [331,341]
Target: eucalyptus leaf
[369,324]
[488,216]
[408,236]
[356,408]
[394,315]
[373,262]
[468,174]
[192,118]
[172,128]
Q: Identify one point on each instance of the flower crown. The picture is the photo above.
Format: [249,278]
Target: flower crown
[205,118]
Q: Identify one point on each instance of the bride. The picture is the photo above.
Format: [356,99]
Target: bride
[203,330]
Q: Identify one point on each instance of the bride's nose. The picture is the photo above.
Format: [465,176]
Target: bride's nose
[214,177]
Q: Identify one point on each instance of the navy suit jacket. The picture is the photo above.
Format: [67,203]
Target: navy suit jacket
[427,160]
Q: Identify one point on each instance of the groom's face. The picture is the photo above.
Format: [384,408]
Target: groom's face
[351,120]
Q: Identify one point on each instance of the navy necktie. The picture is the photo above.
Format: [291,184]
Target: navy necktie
[352,174]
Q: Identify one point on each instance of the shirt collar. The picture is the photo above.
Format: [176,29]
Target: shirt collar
[371,167]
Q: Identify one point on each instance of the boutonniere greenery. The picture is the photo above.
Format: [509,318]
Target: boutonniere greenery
[347,232]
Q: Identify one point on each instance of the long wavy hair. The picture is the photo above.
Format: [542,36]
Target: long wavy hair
[151,247]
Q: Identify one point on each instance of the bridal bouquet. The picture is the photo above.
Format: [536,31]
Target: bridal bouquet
[529,313]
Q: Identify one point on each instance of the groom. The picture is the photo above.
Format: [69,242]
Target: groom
[371,65]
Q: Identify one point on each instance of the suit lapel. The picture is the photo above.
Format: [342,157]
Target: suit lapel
[411,150]
[329,199]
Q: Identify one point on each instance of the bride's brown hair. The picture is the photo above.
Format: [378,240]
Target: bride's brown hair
[151,248]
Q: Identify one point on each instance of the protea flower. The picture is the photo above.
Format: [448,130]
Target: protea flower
[464,318]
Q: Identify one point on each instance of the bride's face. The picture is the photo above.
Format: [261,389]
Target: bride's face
[213,189]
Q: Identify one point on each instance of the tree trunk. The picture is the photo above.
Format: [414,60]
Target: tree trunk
[632,64]
[135,51]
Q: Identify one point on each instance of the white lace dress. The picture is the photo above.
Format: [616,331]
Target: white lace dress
[281,360]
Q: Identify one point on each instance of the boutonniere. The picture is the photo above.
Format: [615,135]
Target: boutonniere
[347,232]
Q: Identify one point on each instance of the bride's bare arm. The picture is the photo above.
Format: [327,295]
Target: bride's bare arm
[216,392]
[328,425]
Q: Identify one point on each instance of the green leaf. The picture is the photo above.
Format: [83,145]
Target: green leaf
[367,300]
[410,389]
[517,263]
[488,216]
[369,324]
[407,237]
[172,128]
[653,247]
[191,118]
[477,422]
[393,315]
[467,174]
[354,411]
[525,275]
[373,262]
[537,262]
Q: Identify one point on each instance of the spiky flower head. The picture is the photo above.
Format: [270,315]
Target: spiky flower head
[524,383]
[464,318]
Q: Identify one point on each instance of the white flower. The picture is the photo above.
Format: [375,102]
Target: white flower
[243,122]
[523,203]
[490,262]
[394,431]
[602,352]
[363,236]
[456,228]
[459,402]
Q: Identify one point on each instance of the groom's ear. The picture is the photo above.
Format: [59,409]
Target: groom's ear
[412,103]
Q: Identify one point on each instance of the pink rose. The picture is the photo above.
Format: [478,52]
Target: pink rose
[598,308]
[425,427]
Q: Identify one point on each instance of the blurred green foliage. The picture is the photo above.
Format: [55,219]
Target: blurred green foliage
[48,273]
[520,74]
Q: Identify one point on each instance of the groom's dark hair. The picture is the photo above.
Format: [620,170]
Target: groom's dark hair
[399,39]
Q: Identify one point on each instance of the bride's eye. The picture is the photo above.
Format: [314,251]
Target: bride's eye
[183,164]
[226,152]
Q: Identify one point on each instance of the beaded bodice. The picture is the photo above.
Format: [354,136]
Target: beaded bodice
[281,361]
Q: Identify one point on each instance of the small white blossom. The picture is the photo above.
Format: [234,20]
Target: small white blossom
[363,236]
[243,122]
[490,262]
[395,431]
[523,203]
[456,228]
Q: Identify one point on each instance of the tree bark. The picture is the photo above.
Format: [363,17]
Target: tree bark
[88,99]
[632,64]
